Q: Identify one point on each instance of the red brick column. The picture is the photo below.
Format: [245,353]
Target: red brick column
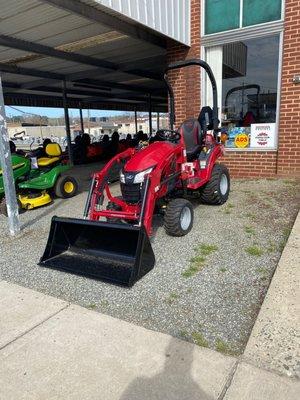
[186,82]
[288,162]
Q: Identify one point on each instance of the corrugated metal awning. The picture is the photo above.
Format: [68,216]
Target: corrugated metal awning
[43,42]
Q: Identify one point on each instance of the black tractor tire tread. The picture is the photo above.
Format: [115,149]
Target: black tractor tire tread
[59,190]
[210,193]
[172,217]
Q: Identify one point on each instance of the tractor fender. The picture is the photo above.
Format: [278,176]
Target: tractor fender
[45,180]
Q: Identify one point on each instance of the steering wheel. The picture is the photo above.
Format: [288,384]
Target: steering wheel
[168,134]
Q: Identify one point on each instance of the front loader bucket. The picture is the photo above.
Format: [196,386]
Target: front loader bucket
[116,253]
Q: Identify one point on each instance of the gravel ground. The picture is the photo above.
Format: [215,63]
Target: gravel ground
[234,247]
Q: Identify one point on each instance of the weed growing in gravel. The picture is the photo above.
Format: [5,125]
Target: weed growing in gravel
[198,262]
[263,271]
[172,297]
[224,347]
[286,233]
[92,306]
[251,216]
[249,230]
[271,247]
[223,269]
[254,251]
[199,339]
[195,267]
[104,303]
[290,182]
[189,290]
[207,249]
[184,334]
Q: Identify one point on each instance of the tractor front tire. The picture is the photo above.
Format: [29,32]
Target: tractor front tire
[66,187]
[216,190]
[179,217]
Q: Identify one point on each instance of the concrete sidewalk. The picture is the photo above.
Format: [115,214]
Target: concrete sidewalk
[50,349]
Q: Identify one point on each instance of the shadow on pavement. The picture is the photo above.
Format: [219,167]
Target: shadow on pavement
[174,382]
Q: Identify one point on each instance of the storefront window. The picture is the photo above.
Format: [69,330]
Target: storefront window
[224,15]
[221,15]
[247,75]
[258,11]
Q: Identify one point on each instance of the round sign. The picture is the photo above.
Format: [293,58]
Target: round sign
[241,140]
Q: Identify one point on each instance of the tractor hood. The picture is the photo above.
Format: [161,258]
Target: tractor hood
[149,156]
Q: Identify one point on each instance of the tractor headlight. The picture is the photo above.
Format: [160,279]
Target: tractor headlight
[139,178]
[122,177]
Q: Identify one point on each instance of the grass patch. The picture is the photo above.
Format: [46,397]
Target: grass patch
[184,334]
[198,261]
[172,297]
[199,339]
[92,306]
[223,347]
[271,247]
[223,269]
[207,249]
[249,230]
[193,269]
[290,182]
[254,251]
[286,233]
[251,216]
[263,272]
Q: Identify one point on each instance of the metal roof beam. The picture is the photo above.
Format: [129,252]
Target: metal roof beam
[93,14]
[14,69]
[24,45]
[89,93]
[54,101]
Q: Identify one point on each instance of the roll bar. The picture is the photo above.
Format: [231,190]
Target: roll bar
[187,63]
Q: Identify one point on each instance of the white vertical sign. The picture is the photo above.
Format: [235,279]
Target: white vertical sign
[263,135]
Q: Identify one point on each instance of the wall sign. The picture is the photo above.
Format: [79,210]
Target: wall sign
[241,140]
[263,135]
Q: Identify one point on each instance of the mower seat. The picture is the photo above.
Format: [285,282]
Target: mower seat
[53,150]
[190,130]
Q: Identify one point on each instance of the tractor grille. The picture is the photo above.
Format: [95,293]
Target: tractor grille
[131,193]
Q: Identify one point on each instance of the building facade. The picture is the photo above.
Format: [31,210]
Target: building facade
[253,48]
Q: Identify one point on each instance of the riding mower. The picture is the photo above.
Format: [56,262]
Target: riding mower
[34,183]
[154,178]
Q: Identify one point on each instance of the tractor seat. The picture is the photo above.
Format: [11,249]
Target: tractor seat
[190,130]
[53,151]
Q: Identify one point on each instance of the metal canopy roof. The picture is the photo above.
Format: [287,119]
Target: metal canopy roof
[107,62]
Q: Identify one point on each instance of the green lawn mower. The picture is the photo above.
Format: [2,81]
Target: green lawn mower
[35,184]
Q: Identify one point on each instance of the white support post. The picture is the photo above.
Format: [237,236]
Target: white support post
[7,172]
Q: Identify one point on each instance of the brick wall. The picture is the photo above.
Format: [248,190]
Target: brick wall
[289,127]
[186,82]
[187,88]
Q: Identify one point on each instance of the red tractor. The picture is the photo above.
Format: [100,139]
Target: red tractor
[112,242]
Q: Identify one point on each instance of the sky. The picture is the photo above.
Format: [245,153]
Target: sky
[57,112]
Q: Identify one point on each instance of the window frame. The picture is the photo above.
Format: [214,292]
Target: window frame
[241,27]
[240,34]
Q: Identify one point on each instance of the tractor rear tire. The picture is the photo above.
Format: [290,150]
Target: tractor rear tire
[216,190]
[66,187]
[179,217]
